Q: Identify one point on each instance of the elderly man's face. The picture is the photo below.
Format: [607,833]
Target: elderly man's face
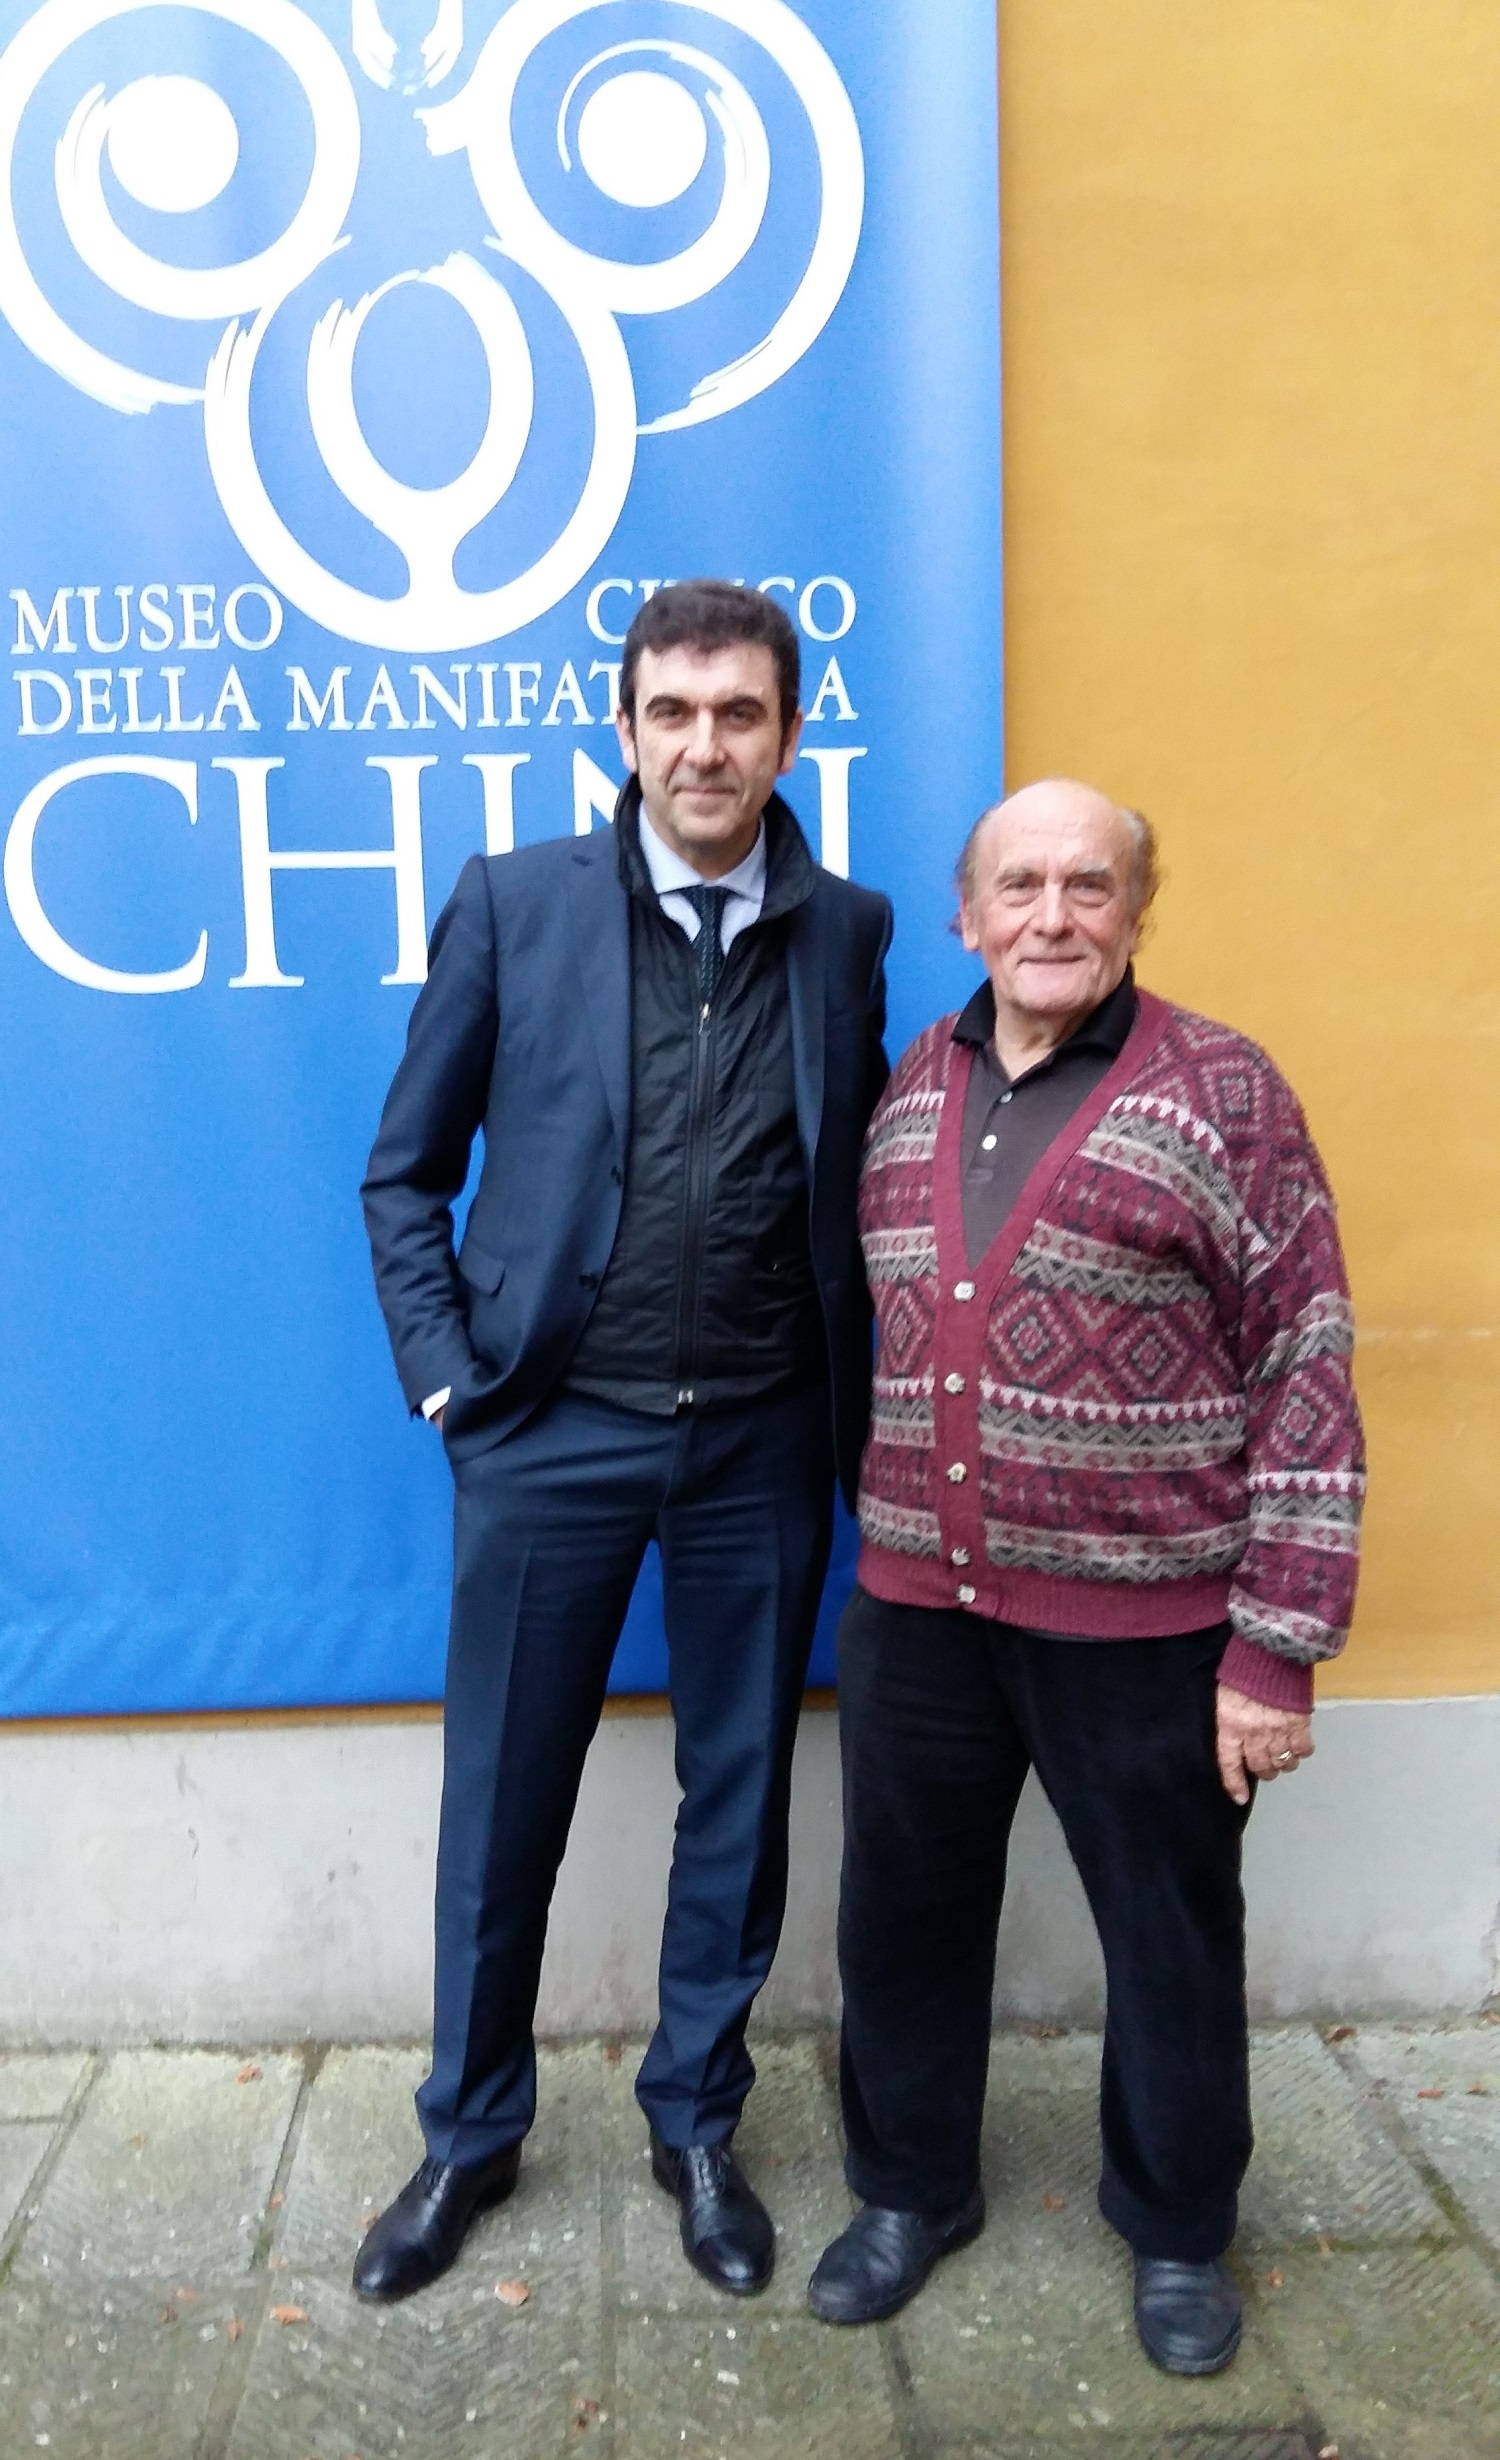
[1052,905]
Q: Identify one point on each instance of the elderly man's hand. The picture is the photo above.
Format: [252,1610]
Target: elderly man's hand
[1256,1741]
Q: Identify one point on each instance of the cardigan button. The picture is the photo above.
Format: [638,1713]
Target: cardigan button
[960,1556]
[956,1473]
[963,1289]
[966,1595]
[953,1383]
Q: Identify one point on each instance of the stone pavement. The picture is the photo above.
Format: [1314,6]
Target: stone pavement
[176,2230]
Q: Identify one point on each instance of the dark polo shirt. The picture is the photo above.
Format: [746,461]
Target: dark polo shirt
[1010,1121]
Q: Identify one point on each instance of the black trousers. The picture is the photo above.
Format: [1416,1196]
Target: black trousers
[941,1717]
[549,1530]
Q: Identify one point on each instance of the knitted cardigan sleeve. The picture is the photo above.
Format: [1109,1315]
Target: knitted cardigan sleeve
[1287,1313]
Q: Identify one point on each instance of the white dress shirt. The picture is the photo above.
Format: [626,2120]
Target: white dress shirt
[670,874]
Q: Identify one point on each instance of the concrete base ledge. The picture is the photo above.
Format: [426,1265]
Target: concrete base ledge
[243,1884]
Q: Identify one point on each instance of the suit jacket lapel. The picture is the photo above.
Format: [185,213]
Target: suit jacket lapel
[805,996]
[600,912]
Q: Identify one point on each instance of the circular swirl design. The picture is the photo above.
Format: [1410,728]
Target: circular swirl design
[642,124]
[480,123]
[427,524]
[168,290]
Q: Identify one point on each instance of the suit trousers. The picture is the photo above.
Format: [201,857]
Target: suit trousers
[942,1714]
[550,1528]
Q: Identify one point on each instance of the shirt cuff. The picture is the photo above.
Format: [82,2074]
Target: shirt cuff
[436,1401]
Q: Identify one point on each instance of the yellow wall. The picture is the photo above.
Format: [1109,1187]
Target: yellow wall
[1252,388]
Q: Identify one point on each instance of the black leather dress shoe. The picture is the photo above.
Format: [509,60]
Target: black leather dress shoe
[726,2229]
[417,2236]
[1187,2315]
[884,2256]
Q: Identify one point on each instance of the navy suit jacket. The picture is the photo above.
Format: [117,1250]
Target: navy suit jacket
[522,1031]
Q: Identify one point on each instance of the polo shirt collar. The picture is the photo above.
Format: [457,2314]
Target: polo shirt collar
[1105,1028]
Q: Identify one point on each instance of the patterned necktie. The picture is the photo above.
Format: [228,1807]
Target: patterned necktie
[708,904]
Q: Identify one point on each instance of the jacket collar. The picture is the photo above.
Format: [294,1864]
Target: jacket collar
[791,873]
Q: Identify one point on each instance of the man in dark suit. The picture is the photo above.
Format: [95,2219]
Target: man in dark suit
[656,1326]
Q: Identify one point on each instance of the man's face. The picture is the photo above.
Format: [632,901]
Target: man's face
[1051,905]
[707,746]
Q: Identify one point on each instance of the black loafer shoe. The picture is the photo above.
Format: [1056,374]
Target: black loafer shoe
[418,2236]
[726,2229]
[1187,2315]
[883,2257]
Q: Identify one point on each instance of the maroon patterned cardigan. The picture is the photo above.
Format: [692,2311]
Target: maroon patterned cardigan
[1134,1416]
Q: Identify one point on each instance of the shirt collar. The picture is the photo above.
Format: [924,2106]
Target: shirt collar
[1105,1028]
[668,871]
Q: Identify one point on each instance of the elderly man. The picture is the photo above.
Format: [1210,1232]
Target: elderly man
[1109,1508]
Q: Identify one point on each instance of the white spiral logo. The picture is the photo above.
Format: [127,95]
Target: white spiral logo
[173,144]
[640,121]
[635,132]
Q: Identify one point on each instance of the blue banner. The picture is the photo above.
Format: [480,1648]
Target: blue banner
[362,369]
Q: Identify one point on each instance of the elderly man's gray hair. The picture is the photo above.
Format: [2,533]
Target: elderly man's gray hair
[1145,857]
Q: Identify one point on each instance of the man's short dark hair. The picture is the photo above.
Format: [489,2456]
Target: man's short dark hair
[710,615]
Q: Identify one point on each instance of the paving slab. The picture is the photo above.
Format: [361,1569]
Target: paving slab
[1192,2443]
[761,2387]
[789,2144]
[360,2143]
[160,2306]
[457,2373]
[1039,2059]
[451,2375]
[167,2174]
[1323,2166]
[40,2084]
[1041,2141]
[1443,2086]
[1255,2443]
[21,2152]
[1049,2347]
[1398,2349]
[95,2371]
[1418,2057]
